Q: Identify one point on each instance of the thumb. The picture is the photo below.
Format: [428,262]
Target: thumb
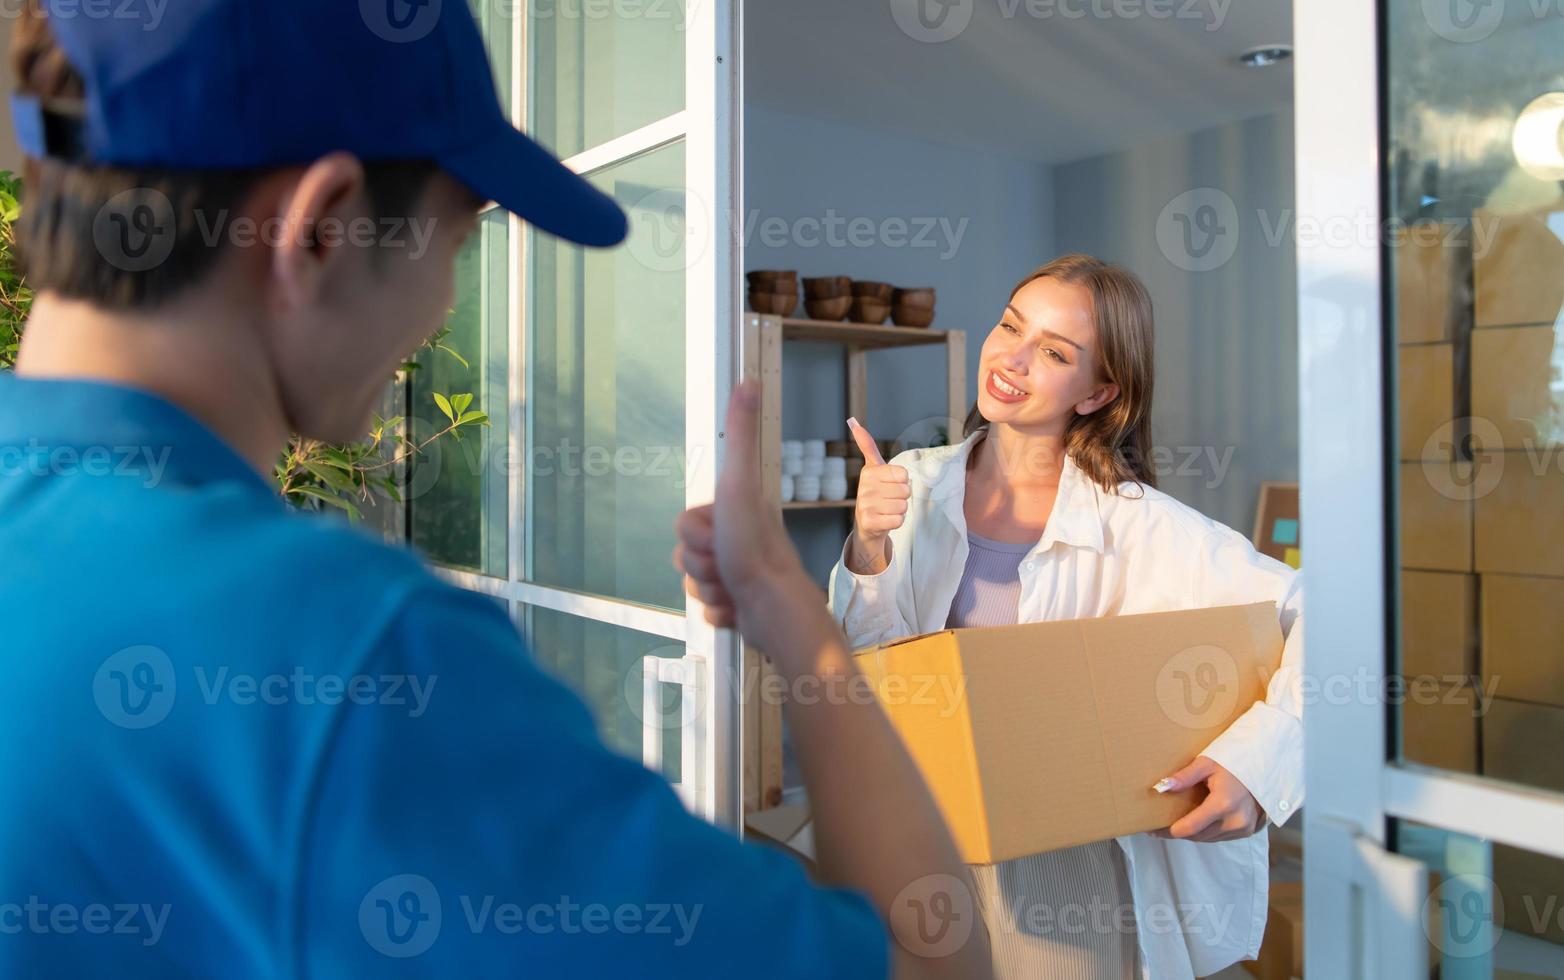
[866,444]
[1191,775]
[741,470]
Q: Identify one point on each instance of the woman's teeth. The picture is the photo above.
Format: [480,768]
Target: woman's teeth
[1007,389]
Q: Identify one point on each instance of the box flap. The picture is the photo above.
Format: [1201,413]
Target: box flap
[920,685]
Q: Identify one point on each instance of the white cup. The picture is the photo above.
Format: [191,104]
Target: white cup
[810,466]
[833,488]
[787,488]
[835,466]
[792,447]
[814,449]
[806,488]
[792,466]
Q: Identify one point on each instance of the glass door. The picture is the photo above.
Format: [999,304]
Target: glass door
[605,374]
[1430,160]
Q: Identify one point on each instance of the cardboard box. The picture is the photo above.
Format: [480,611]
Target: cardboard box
[1521,744]
[1517,267]
[1049,735]
[1438,625]
[1436,516]
[1522,627]
[1518,385]
[1532,886]
[1281,948]
[1430,263]
[1425,385]
[1439,725]
[1520,521]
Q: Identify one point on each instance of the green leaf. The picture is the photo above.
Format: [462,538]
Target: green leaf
[473,418]
[460,402]
[453,353]
[445,406]
[336,479]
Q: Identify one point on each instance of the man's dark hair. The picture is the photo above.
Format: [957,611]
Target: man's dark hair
[67,204]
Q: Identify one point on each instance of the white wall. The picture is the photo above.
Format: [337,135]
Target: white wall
[988,221]
[1227,365]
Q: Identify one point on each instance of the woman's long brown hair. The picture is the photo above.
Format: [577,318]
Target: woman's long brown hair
[1113,444]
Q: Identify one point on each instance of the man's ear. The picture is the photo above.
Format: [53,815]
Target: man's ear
[316,215]
[1103,395]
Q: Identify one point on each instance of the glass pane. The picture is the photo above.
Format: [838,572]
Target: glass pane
[1492,911]
[1475,159]
[602,663]
[600,70]
[605,398]
[498,24]
[456,496]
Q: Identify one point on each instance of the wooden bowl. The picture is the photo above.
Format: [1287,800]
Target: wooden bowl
[828,287]
[773,304]
[912,316]
[868,309]
[763,277]
[913,297]
[834,308]
[877,290]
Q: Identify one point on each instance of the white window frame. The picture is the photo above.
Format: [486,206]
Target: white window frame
[710,128]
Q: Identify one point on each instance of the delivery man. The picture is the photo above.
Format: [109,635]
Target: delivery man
[241,742]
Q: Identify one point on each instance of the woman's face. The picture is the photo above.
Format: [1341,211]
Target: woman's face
[1038,367]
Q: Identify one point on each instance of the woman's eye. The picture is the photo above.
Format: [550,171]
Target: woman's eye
[1055,355]
[1008,328]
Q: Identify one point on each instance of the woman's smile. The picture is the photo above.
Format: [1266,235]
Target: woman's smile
[1004,389]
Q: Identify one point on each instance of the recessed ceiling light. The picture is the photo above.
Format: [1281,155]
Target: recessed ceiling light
[1265,56]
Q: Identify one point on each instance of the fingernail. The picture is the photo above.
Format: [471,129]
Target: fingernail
[1163,785]
[852,423]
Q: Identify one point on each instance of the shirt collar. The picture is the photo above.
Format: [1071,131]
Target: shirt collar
[1076,519]
[57,423]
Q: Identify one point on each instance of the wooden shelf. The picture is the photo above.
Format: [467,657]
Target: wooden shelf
[818,504]
[864,335]
[764,338]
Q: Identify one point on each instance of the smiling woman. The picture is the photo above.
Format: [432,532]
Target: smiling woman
[1048,511]
[1068,358]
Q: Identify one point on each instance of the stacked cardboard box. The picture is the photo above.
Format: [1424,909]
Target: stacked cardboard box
[1517,404]
[1438,589]
[1281,950]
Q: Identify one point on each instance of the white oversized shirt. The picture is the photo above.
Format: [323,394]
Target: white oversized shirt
[1199,907]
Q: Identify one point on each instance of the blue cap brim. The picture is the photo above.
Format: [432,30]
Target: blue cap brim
[525,179]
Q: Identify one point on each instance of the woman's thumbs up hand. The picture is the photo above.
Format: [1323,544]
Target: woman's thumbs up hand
[884,493]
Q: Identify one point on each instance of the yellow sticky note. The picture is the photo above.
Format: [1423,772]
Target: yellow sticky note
[1294,557]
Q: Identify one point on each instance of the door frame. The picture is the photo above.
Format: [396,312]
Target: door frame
[1363,903]
[710,127]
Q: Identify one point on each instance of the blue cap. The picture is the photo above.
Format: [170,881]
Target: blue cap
[219,84]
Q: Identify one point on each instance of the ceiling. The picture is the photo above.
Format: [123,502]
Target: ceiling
[1049,80]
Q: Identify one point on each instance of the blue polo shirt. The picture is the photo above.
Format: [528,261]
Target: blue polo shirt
[244,742]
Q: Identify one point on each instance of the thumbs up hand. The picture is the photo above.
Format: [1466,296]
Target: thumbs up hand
[734,552]
[884,493]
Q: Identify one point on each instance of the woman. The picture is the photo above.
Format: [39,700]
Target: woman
[1048,510]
